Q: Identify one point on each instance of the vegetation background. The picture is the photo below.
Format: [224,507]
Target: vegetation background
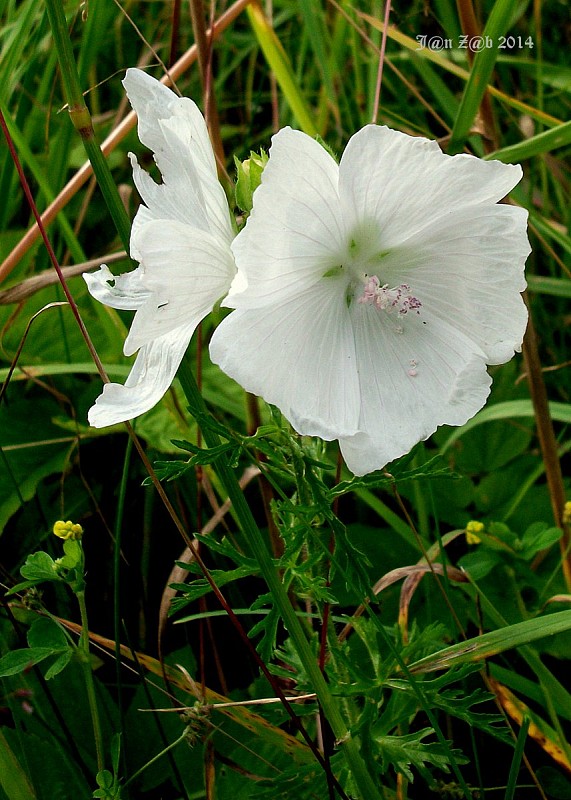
[453,677]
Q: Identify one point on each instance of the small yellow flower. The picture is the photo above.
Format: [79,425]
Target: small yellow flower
[473,528]
[67,530]
[567,513]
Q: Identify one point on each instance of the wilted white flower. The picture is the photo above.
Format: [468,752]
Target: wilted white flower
[371,295]
[181,238]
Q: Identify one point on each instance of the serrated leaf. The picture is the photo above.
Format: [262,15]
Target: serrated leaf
[458,702]
[434,468]
[200,587]
[404,752]
[226,548]
[268,627]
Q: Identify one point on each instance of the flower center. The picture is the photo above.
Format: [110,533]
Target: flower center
[399,299]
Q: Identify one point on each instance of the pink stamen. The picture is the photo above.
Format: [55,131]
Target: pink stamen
[399,298]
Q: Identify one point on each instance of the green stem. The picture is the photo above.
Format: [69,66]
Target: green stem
[81,119]
[89,682]
[117,581]
[367,787]
[167,749]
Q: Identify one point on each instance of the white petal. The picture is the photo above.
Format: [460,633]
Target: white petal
[468,270]
[152,374]
[411,382]
[392,185]
[183,202]
[185,272]
[174,129]
[295,231]
[124,291]
[184,143]
[299,356]
[153,102]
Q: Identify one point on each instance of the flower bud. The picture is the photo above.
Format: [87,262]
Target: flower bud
[248,178]
[473,528]
[67,530]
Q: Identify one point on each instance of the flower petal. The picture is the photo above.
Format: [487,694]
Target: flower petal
[392,185]
[152,374]
[174,129]
[185,273]
[153,102]
[124,291]
[468,270]
[295,231]
[411,382]
[299,357]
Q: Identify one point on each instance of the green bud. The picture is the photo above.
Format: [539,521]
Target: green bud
[248,178]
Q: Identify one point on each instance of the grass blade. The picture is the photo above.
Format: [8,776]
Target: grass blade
[494,642]
[480,74]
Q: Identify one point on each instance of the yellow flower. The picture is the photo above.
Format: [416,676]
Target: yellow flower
[567,513]
[67,530]
[473,528]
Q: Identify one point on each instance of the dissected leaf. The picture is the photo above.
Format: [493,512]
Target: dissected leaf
[410,751]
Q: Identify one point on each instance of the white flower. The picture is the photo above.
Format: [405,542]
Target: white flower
[370,295]
[181,239]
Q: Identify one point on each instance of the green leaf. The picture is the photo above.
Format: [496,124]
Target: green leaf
[489,644]
[458,702]
[45,632]
[104,779]
[13,778]
[31,448]
[404,752]
[511,409]
[537,537]
[396,472]
[40,567]
[17,661]
[557,287]
[542,143]
[201,587]
[482,68]
[555,783]
[115,752]
[73,554]
[46,638]
[226,548]
[281,67]
[480,563]
[59,664]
